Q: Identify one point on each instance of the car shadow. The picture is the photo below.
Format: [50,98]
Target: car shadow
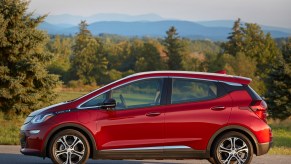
[23,159]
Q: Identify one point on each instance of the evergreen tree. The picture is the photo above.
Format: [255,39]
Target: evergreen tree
[174,49]
[279,84]
[88,65]
[254,43]
[234,44]
[25,84]
[60,47]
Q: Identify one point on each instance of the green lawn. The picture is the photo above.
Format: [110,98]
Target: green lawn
[282,137]
[68,95]
[9,129]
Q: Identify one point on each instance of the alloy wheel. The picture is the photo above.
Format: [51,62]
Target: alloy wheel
[233,150]
[69,149]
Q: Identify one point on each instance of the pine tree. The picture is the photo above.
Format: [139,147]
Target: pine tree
[279,84]
[88,64]
[25,84]
[174,49]
[254,43]
[234,45]
[60,47]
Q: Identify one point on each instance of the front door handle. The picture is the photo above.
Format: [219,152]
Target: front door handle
[217,108]
[153,114]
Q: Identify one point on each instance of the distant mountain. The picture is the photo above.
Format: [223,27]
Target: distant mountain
[155,29]
[75,19]
[229,24]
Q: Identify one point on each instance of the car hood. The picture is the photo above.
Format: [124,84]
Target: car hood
[44,110]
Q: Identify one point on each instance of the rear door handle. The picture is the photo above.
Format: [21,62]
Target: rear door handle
[217,108]
[153,114]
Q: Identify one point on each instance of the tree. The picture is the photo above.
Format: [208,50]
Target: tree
[279,84]
[174,49]
[255,44]
[150,58]
[25,84]
[60,47]
[235,40]
[88,65]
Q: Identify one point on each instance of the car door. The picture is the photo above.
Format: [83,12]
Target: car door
[197,109]
[138,119]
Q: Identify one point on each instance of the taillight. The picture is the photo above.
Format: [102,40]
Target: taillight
[260,109]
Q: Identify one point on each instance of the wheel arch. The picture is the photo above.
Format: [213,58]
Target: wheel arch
[80,128]
[235,128]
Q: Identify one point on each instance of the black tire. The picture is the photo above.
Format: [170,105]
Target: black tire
[211,160]
[69,143]
[232,147]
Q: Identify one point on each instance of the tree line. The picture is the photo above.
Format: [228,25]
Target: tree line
[32,63]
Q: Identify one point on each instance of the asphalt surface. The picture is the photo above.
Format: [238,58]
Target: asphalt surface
[11,155]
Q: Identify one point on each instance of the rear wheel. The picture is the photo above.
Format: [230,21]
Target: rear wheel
[232,148]
[69,146]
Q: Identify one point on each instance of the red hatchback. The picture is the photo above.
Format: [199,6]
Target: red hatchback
[157,115]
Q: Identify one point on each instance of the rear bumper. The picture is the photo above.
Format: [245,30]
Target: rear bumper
[263,148]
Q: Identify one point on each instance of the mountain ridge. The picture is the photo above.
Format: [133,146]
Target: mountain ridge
[186,29]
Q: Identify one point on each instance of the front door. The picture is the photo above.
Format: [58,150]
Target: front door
[138,119]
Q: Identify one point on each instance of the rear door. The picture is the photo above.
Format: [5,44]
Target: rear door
[198,108]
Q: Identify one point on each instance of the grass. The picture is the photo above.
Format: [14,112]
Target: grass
[68,95]
[9,129]
[281,137]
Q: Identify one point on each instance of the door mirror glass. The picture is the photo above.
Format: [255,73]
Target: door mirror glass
[108,104]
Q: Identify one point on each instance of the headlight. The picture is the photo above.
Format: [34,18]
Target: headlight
[41,118]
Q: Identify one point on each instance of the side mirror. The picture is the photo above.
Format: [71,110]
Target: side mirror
[108,104]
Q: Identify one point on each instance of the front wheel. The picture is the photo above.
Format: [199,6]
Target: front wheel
[232,148]
[69,146]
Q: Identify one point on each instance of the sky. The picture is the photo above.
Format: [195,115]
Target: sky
[265,12]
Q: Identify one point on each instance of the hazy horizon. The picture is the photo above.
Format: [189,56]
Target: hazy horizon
[271,13]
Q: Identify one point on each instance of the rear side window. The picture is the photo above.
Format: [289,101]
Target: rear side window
[191,90]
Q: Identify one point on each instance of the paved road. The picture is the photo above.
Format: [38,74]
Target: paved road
[11,155]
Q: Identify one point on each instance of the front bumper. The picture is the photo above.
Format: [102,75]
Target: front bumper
[32,138]
[30,144]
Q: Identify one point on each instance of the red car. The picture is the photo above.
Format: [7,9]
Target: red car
[156,115]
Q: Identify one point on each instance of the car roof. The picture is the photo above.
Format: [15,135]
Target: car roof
[192,74]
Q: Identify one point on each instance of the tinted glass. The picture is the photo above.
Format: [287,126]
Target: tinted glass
[143,93]
[189,90]
[96,101]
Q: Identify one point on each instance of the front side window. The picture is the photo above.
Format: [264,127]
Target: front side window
[96,101]
[143,93]
[191,90]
